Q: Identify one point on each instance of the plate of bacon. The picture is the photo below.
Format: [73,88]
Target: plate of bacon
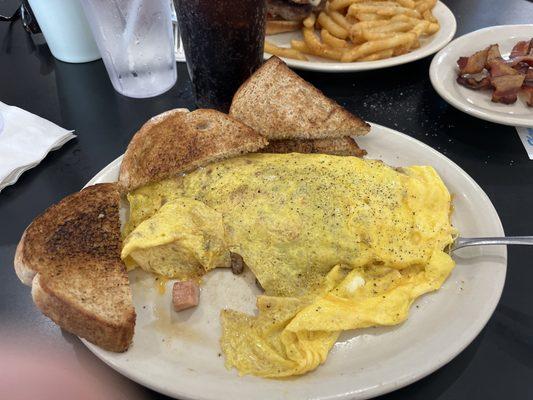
[489,74]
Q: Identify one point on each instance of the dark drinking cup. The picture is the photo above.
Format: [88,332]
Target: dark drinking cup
[223,42]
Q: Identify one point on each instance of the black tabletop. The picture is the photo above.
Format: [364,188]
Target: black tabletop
[498,364]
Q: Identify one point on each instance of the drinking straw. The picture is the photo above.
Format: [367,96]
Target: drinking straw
[133,16]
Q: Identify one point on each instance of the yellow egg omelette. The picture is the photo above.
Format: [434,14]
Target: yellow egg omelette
[337,243]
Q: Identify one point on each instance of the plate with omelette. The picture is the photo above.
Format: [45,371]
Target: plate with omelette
[263,254]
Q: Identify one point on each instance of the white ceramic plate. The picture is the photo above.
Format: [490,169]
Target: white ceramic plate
[428,46]
[443,74]
[178,353]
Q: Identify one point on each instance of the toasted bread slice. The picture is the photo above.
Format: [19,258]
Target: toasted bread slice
[70,255]
[178,141]
[345,146]
[279,104]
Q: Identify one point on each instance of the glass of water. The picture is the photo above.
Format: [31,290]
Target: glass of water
[136,41]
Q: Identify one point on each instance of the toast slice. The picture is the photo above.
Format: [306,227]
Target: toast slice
[279,104]
[70,256]
[344,146]
[179,141]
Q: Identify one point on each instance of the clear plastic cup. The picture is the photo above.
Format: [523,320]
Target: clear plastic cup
[136,41]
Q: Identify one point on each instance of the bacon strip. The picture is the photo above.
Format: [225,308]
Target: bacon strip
[493,52]
[507,77]
[473,64]
[498,67]
[520,49]
[528,95]
[527,88]
[473,83]
[521,60]
[506,88]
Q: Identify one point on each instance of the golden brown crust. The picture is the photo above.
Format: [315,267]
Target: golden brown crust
[275,26]
[279,104]
[77,320]
[178,142]
[71,256]
[345,146]
[24,273]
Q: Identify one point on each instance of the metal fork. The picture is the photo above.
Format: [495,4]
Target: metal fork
[461,242]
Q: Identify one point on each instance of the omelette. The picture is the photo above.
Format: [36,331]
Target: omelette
[337,243]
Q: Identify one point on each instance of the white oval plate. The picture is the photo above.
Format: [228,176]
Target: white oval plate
[428,46]
[443,75]
[178,354]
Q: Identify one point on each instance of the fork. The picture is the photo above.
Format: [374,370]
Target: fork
[461,242]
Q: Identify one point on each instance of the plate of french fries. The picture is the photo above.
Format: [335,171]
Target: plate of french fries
[356,35]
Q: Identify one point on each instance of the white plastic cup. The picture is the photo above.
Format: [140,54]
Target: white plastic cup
[136,40]
[66,30]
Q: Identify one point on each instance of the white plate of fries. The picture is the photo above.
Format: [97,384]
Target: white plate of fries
[358,35]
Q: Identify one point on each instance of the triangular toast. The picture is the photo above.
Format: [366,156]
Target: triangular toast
[180,141]
[279,104]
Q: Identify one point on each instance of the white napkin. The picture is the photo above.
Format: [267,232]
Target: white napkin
[25,139]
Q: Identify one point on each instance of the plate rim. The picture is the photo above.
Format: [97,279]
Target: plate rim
[387,387]
[463,106]
[337,67]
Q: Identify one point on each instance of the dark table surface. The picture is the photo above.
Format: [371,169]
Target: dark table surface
[498,364]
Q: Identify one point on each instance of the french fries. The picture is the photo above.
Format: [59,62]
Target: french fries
[339,19]
[362,30]
[379,55]
[284,51]
[330,40]
[318,48]
[340,4]
[425,5]
[367,16]
[310,21]
[374,46]
[300,46]
[335,29]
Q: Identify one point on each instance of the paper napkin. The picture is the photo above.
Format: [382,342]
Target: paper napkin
[25,139]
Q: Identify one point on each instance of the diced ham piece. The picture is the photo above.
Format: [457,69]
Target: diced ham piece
[185,295]
[237,263]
